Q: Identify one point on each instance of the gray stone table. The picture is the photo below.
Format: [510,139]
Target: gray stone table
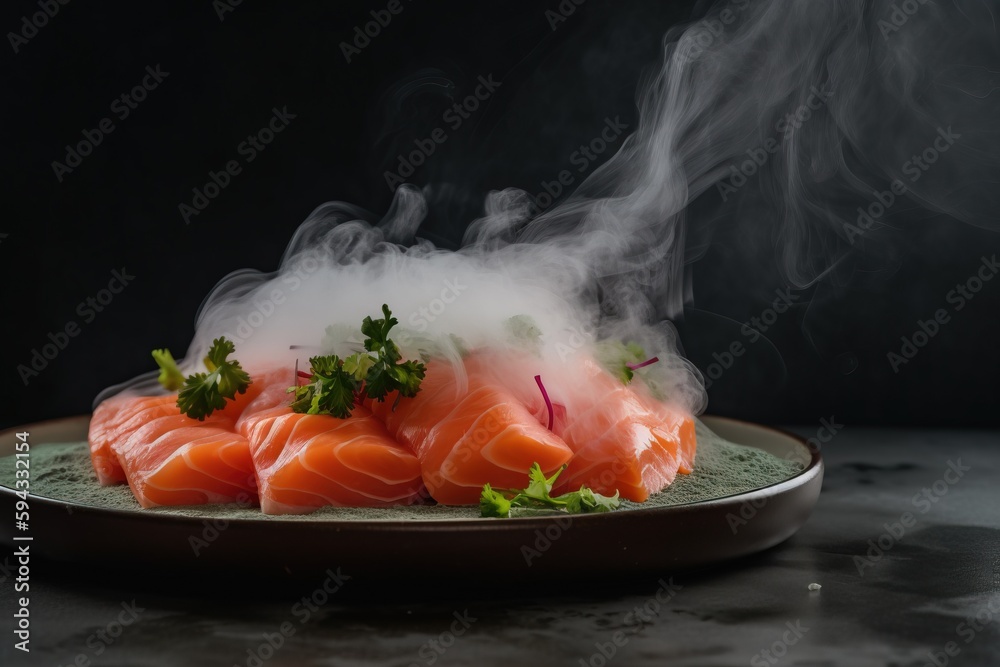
[904,542]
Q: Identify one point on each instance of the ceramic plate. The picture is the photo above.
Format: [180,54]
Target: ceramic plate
[631,542]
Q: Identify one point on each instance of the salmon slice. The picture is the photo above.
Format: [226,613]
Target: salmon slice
[176,460]
[303,462]
[116,419]
[466,429]
[262,379]
[129,442]
[623,439]
[680,423]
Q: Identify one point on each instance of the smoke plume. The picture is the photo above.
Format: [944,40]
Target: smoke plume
[808,121]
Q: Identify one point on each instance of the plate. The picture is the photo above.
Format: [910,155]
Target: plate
[617,544]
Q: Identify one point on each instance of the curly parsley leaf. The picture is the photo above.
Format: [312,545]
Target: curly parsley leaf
[493,503]
[358,365]
[204,393]
[537,496]
[409,375]
[539,486]
[331,390]
[336,384]
[376,332]
[585,501]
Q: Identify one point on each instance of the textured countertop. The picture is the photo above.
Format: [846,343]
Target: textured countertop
[904,542]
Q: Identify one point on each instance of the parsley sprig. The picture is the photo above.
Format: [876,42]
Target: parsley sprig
[337,384]
[170,375]
[201,394]
[537,496]
[620,358]
[523,332]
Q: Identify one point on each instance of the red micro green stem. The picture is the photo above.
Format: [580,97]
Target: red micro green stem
[643,364]
[545,395]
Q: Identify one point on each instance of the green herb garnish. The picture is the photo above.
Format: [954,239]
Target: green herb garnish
[331,390]
[537,496]
[201,394]
[493,503]
[522,331]
[618,358]
[170,375]
[337,385]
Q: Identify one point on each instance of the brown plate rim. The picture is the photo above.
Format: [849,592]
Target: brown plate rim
[809,472]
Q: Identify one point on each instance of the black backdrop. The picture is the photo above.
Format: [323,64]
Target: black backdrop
[222,75]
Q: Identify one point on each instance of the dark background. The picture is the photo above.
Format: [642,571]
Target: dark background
[826,358]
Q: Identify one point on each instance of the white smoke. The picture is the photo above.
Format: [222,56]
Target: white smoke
[787,114]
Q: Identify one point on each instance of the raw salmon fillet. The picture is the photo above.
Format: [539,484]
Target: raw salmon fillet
[466,429]
[176,460]
[623,439]
[132,439]
[303,462]
[261,380]
[114,420]
[680,423]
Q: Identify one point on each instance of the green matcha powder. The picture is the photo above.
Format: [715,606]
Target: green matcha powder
[63,472]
